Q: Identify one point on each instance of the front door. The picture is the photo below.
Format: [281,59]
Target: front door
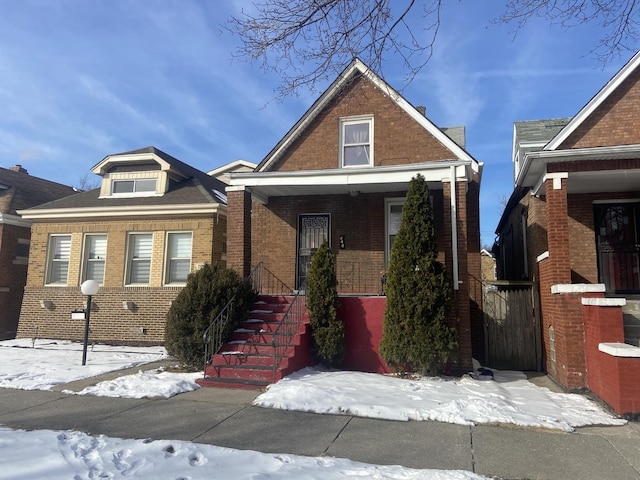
[312,231]
[618,240]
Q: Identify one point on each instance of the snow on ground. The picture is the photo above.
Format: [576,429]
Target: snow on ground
[43,364]
[63,455]
[509,399]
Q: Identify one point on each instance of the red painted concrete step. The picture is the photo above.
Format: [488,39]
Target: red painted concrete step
[246,360]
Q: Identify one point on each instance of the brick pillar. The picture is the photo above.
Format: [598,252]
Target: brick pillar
[459,317]
[558,228]
[239,230]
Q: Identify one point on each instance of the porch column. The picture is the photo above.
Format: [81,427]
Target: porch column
[558,227]
[239,230]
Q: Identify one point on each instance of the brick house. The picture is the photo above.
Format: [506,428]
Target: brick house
[153,220]
[341,174]
[18,190]
[572,225]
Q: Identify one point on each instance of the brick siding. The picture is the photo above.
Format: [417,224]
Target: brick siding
[112,322]
[614,122]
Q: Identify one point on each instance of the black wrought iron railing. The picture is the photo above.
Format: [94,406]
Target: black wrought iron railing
[266,283]
[288,328]
[263,282]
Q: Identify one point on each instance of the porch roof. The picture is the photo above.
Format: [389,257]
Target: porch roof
[353,181]
[596,181]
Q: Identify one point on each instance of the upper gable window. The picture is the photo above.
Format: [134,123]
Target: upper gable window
[133,187]
[356,141]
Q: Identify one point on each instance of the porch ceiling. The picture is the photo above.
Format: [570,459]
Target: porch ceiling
[604,181]
[597,181]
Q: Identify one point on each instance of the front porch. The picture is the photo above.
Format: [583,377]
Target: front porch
[276,339]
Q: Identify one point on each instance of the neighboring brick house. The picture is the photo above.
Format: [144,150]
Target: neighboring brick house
[341,174]
[153,220]
[18,190]
[572,225]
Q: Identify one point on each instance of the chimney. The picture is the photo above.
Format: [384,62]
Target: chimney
[19,169]
[422,110]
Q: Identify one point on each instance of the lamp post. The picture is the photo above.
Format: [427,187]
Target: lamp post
[88,288]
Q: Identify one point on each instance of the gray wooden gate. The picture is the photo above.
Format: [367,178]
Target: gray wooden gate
[512,328]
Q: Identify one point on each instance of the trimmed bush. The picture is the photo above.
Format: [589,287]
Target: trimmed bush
[207,291]
[415,337]
[322,303]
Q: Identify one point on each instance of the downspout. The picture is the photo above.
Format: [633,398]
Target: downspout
[454,228]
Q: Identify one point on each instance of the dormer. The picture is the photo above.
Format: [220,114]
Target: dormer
[140,173]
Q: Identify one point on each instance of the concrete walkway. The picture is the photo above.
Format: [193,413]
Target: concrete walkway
[226,418]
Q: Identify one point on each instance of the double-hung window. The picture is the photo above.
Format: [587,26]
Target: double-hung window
[393,215]
[95,255]
[356,141]
[178,257]
[139,258]
[58,254]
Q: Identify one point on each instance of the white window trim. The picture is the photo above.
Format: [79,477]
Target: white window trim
[388,203]
[127,269]
[85,254]
[106,188]
[146,193]
[50,259]
[167,260]
[355,120]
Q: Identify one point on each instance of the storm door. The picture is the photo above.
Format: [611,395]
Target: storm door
[312,231]
[618,243]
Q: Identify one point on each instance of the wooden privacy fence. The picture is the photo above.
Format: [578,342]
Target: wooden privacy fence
[512,328]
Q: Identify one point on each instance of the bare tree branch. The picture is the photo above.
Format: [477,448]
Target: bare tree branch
[618,19]
[310,41]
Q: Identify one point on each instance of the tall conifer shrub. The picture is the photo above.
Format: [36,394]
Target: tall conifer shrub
[322,303]
[415,336]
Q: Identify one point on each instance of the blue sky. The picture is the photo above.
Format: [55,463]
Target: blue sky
[83,79]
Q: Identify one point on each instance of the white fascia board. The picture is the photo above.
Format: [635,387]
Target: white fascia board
[119,212]
[15,220]
[98,169]
[230,166]
[595,102]
[432,171]
[591,153]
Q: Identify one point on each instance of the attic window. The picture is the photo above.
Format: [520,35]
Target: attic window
[134,187]
[356,141]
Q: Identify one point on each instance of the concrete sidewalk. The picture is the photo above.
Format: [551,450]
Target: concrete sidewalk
[226,418]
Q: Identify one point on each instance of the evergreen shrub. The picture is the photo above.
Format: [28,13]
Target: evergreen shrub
[322,303]
[415,337]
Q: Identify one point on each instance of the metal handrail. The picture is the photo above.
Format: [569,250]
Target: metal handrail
[214,335]
[288,328]
[263,281]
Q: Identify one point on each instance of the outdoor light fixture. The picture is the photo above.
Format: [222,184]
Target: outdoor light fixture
[88,288]
[127,305]
[46,304]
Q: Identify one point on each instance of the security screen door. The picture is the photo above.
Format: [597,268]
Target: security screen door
[312,231]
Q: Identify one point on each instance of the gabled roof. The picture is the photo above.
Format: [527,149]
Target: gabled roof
[223,171]
[355,68]
[193,191]
[604,93]
[19,190]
